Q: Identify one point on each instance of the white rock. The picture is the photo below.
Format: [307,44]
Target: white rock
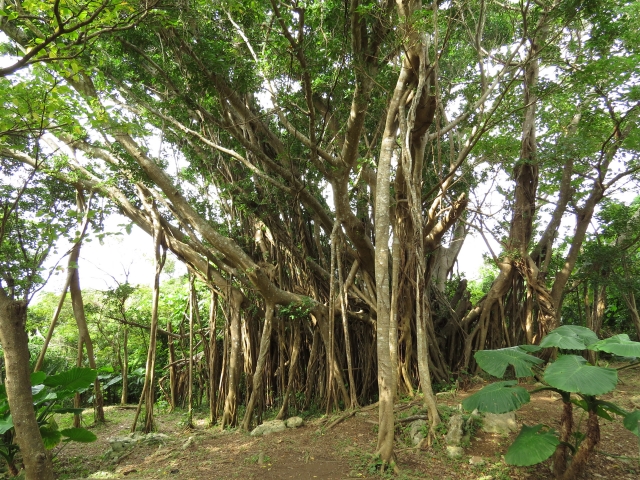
[502,423]
[416,432]
[454,434]
[294,422]
[454,451]
[269,427]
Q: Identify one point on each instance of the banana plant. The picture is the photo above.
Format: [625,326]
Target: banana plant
[578,382]
[49,395]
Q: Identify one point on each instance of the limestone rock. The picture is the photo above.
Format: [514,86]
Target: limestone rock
[475,460]
[454,451]
[636,401]
[416,431]
[103,474]
[502,423]
[294,422]
[119,445]
[269,427]
[454,434]
[153,439]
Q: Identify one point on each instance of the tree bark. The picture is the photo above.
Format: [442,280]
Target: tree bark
[15,345]
[213,357]
[84,338]
[148,390]
[265,341]
[230,414]
[386,424]
[125,366]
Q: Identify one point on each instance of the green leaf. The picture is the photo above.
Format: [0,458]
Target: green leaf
[620,345]
[50,436]
[603,408]
[79,435]
[496,362]
[572,373]
[37,378]
[75,411]
[569,337]
[73,380]
[499,397]
[530,348]
[113,381]
[6,424]
[631,422]
[532,446]
[611,407]
[44,396]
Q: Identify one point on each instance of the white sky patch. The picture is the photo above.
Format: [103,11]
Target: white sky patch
[118,258]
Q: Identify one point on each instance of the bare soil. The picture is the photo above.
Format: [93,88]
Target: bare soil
[315,451]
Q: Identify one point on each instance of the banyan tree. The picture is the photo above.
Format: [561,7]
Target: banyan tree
[318,166]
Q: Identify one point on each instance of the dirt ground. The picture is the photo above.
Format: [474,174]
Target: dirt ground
[343,451]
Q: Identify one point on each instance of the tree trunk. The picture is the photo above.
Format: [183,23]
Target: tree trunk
[265,341]
[15,345]
[125,367]
[83,332]
[148,390]
[193,304]
[84,338]
[386,423]
[213,356]
[630,300]
[293,365]
[230,414]
[52,325]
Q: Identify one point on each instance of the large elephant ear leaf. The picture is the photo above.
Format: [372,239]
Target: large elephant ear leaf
[50,436]
[37,378]
[6,424]
[495,362]
[78,435]
[569,337]
[533,445]
[572,373]
[620,345]
[72,380]
[499,397]
[632,422]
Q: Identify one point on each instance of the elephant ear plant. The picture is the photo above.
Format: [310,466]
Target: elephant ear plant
[49,396]
[578,382]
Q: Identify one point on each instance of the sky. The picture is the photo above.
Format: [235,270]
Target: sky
[116,259]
